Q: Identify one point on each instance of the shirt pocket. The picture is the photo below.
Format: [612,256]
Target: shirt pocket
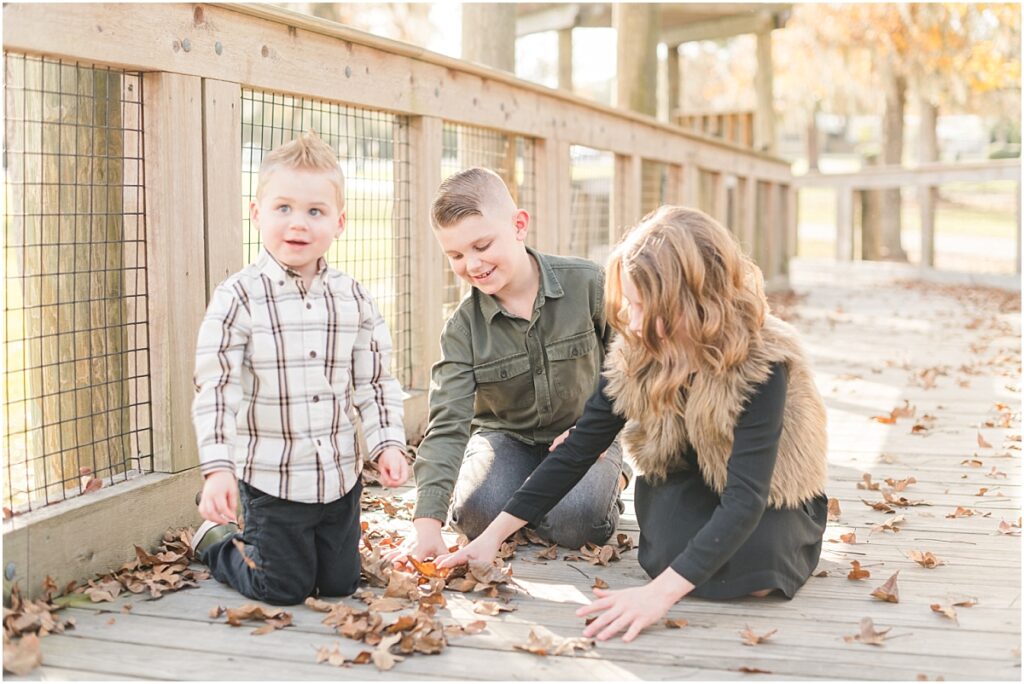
[504,384]
[574,366]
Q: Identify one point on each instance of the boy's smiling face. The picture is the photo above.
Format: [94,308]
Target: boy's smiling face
[488,251]
[298,217]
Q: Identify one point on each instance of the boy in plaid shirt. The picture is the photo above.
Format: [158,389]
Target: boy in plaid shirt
[289,351]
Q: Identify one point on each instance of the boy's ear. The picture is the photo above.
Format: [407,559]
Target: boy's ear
[254,214]
[522,223]
[342,218]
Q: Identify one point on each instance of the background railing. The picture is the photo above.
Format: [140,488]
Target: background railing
[736,127]
[211,89]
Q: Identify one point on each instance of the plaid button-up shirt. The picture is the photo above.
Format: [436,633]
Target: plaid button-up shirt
[281,373]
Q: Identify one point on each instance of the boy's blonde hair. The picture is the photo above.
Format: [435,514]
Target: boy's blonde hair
[465,194]
[709,296]
[307,153]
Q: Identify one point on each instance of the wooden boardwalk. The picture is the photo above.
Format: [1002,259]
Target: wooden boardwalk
[873,344]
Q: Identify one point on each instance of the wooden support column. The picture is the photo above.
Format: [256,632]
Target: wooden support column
[636,78]
[926,203]
[1018,243]
[626,199]
[489,34]
[764,122]
[176,255]
[721,199]
[565,59]
[674,82]
[552,222]
[792,222]
[427,261]
[222,133]
[674,185]
[691,184]
[928,152]
[844,223]
[748,213]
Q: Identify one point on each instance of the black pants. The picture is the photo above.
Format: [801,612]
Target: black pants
[297,548]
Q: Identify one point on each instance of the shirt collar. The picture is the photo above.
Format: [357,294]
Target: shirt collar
[550,287]
[275,270]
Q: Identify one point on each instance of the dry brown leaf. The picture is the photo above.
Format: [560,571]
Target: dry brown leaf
[550,553]
[752,670]
[902,501]
[962,512]
[885,420]
[925,558]
[900,485]
[672,623]
[388,604]
[994,473]
[491,607]
[879,506]
[402,585]
[889,591]
[972,462]
[833,510]
[1007,529]
[542,641]
[866,483]
[216,612]
[982,442]
[23,655]
[599,583]
[868,633]
[429,569]
[981,492]
[331,656]
[948,611]
[848,538]
[857,573]
[624,542]
[891,524]
[241,551]
[750,638]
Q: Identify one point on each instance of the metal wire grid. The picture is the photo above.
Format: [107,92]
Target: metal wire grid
[510,156]
[592,172]
[76,346]
[654,188]
[373,149]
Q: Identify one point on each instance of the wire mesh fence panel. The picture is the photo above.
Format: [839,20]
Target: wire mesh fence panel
[76,348]
[372,148]
[592,172]
[654,186]
[510,156]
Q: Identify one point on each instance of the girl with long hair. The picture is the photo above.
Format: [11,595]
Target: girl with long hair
[717,407]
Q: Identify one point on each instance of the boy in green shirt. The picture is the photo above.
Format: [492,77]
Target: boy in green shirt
[519,358]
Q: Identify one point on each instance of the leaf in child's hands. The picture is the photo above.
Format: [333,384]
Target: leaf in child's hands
[245,558]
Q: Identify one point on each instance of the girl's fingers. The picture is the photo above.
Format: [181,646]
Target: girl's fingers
[634,629]
[615,627]
[594,606]
[602,620]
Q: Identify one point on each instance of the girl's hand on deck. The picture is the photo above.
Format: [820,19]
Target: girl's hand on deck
[425,544]
[635,608]
[219,502]
[483,549]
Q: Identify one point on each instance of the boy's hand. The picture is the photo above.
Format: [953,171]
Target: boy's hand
[220,497]
[394,469]
[425,544]
[483,549]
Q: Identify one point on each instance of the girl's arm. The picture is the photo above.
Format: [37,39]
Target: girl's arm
[561,469]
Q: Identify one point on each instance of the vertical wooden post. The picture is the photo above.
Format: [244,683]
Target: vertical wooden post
[636,28]
[926,203]
[844,223]
[1017,245]
[626,199]
[691,183]
[176,255]
[551,224]
[565,59]
[748,213]
[489,34]
[792,222]
[674,82]
[428,261]
[764,123]
[222,167]
[721,199]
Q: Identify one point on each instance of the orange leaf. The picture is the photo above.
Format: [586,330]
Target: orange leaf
[848,538]
[888,591]
[752,639]
[833,510]
[982,443]
[925,558]
[857,573]
[429,569]
[676,624]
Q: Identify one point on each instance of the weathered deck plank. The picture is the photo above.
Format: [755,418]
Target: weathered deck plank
[886,335]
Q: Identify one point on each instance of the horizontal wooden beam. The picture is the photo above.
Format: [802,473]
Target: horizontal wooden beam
[274,49]
[554,18]
[719,28]
[877,177]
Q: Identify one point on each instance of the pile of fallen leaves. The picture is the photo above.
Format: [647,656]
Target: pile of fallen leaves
[24,623]
[158,573]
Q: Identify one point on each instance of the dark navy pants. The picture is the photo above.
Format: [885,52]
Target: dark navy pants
[297,548]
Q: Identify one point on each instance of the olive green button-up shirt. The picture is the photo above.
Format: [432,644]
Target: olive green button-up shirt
[527,378]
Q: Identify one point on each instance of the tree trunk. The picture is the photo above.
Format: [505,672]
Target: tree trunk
[892,155]
[928,152]
[489,34]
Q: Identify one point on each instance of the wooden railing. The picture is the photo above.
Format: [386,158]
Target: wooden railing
[198,60]
[735,127]
[922,178]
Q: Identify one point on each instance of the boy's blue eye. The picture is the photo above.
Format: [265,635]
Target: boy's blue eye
[284,208]
[315,212]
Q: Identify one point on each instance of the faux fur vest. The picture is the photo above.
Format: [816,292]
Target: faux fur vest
[712,406]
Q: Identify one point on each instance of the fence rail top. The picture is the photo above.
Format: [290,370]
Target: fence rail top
[333,29]
[874,177]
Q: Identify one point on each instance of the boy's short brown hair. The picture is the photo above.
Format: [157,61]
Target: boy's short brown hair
[465,193]
[307,153]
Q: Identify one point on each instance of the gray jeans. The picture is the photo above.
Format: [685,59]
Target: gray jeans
[496,465]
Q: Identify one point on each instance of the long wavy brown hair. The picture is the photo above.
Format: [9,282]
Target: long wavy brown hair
[693,277]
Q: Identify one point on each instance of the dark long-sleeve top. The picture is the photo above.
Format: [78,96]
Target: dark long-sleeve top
[741,505]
